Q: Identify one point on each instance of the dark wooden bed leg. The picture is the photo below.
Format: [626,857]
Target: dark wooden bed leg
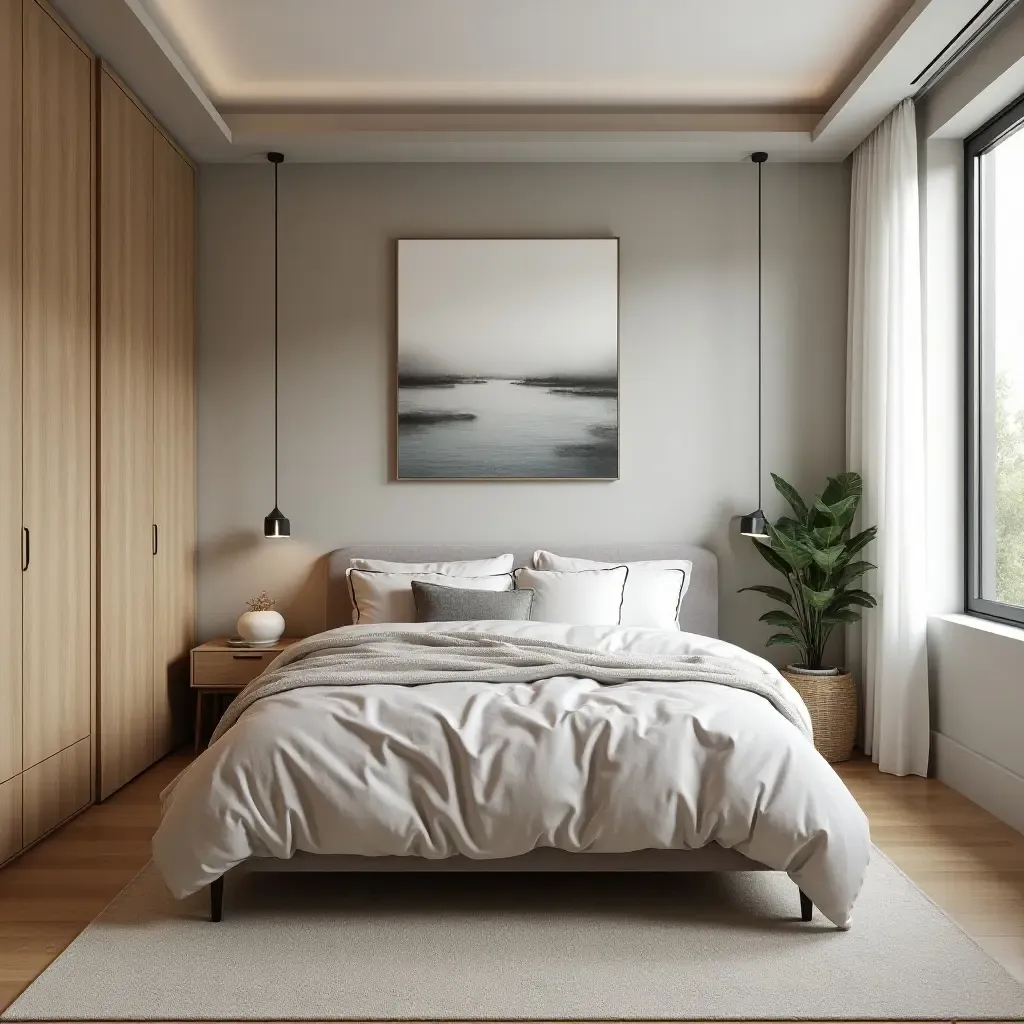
[806,907]
[217,899]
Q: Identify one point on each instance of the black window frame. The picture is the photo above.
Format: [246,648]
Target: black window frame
[1001,127]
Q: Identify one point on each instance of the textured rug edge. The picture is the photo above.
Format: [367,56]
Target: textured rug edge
[92,924]
[8,1018]
[952,920]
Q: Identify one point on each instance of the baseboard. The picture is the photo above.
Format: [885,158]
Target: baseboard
[989,785]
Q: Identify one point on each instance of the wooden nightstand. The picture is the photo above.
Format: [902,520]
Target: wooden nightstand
[217,669]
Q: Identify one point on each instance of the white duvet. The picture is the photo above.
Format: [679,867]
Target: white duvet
[488,769]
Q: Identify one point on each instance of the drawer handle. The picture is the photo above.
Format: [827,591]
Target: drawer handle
[247,657]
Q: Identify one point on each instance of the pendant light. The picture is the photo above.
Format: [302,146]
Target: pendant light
[275,525]
[755,524]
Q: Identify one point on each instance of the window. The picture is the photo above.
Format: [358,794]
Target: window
[995,367]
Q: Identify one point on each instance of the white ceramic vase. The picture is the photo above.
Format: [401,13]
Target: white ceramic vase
[261,627]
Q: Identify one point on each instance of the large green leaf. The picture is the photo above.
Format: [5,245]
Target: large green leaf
[845,485]
[772,558]
[846,598]
[829,559]
[777,617]
[818,599]
[782,638]
[836,517]
[842,615]
[791,528]
[776,593]
[793,552]
[823,536]
[790,493]
[850,572]
[861,540]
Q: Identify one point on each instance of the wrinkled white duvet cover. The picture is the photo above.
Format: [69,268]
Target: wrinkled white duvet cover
[498,769]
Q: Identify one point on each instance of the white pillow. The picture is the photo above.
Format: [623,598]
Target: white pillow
[654,589]
[477,567]
[387,596]
[590,598]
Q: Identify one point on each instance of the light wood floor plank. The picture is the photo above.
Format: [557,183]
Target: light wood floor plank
[970,863]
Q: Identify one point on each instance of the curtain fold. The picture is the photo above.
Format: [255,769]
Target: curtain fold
[886,441]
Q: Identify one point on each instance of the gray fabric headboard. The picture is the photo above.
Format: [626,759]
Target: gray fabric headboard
[698,614]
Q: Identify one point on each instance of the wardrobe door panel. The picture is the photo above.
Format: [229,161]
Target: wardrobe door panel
[55,788]
[125,439]
[174,441]
[10,815]
[11,541]
[57,388]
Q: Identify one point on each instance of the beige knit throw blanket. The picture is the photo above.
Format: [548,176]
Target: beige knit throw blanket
[405,658]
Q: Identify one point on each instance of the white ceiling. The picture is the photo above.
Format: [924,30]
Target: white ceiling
[739,53]
[542,80]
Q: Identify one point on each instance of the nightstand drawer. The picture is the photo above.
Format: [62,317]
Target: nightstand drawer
[228,669]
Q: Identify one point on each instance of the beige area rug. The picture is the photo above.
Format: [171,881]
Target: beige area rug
[544,947]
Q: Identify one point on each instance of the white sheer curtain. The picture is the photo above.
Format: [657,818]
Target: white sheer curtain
[886,441]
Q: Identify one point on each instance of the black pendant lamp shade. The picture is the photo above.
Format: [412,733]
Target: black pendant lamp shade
[275,525]
[755,524]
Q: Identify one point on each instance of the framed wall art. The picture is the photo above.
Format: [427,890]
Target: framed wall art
[508,359]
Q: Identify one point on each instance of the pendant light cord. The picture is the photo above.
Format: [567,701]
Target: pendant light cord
[760,433]
[275,333]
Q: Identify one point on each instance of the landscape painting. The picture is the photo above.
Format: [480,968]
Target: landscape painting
[508,359]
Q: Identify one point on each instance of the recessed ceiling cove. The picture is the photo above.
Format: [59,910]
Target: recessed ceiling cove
[796,54]
[522,80]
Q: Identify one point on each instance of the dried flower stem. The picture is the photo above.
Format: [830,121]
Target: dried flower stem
[263,603]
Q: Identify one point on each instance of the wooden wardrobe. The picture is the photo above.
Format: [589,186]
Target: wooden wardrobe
[146,437]
[47,418]
[97,429]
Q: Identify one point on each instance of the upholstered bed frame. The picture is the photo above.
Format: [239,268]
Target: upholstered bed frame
[698,614]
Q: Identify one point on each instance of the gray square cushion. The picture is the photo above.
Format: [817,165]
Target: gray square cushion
[436,603]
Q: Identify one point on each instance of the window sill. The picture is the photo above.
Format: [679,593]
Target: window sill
[984,625]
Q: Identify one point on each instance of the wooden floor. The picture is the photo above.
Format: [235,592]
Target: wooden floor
[968,862]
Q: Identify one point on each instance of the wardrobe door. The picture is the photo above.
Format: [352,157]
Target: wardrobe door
[54,789]
[57,388]
[173,441]
[10,809]
[11,538]
[125,439]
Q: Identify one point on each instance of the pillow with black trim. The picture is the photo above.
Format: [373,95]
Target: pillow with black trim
[387,596]
[472,567]
[654,590]
[589,598]
[437,603]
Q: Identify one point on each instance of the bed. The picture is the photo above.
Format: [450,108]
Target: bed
[776,806]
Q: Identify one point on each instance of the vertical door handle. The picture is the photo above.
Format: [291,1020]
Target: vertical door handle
[156,539]
[26,552]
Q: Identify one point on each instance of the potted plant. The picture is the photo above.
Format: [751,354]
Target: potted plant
[817,556]
[261,625]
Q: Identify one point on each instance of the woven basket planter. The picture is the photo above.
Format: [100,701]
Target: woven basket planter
[832,702]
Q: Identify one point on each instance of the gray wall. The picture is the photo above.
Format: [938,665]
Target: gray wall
[978,705]
[688,311]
